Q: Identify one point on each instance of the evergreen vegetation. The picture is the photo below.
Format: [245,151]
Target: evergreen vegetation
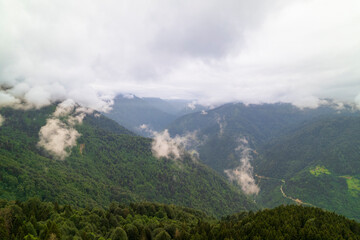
[221,128]
[108,164]
[34,219]
[319,162]
[315,151]
[101,191]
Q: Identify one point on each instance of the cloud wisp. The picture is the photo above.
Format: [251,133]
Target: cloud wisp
[2,120]
[243,174]
[222,124]
[163,145]
[59,135]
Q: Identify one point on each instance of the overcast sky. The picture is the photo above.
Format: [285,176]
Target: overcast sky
[214,51]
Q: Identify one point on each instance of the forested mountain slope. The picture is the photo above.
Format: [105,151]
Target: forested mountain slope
[299,155]
[320,162]
[221,128]
[133,112]
[107,164]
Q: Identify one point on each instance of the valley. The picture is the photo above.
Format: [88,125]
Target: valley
[310,149]
[184,120]
[107,163]
[295,200]
[226,165]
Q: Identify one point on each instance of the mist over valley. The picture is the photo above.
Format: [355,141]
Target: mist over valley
[179,120]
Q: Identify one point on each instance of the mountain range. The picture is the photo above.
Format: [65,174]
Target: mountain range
[132,112]
[107,163]
[233,159]
[288,154]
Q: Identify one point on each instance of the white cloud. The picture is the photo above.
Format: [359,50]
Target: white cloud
[129,96]
[243,174]
[163,145]
[192,105]
[7,99]
[58,136]
[222,124]
[214,51]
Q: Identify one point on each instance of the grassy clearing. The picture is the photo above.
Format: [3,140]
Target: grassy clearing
[319,170]
[353,185]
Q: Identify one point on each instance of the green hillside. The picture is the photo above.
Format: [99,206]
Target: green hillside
[108,164]
[320,162]
[221,128]
[312,154]
[37,220]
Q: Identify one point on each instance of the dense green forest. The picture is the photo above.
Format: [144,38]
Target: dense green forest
[319,162]
[220,129]
[106,187]
[109,163]
[311,154]
[34,219]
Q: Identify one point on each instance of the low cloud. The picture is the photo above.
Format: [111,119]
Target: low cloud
[59,135]
[192,105]
[24,94]
[222,124]
[243,174]
[164,145]
[129,96]
[56,137]
[7,100]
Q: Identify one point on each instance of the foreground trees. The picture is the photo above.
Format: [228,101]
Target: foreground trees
[34,219]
